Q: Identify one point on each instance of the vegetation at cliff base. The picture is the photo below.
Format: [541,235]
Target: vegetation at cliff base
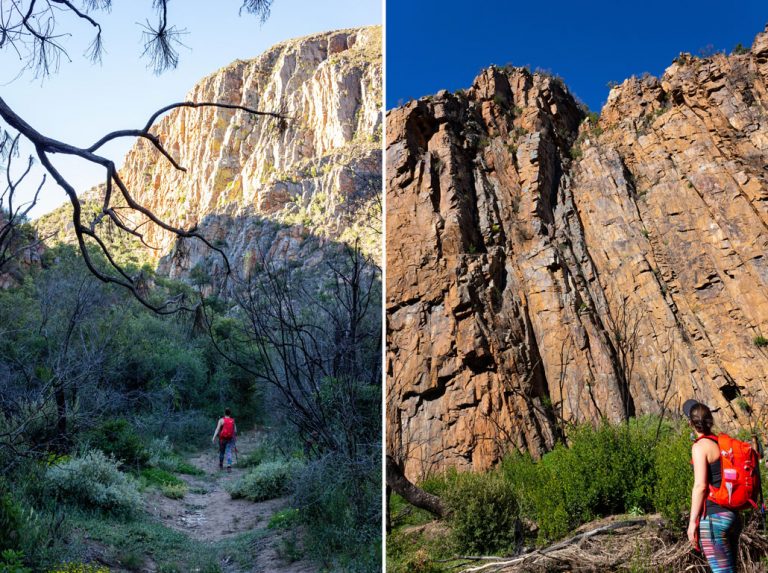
[639,468]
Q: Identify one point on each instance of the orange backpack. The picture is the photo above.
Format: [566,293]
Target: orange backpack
[740,486]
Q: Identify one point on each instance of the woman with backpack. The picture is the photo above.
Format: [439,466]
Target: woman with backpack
[715,527]
[226,430]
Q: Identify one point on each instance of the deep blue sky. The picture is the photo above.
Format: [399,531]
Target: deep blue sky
[433,45]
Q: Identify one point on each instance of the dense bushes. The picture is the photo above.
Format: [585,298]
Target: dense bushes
[605,470]
[637,467]
[267,481]
[11,521]
[673,475]
[93,481]
[484,512]
[340,504]
[118,439]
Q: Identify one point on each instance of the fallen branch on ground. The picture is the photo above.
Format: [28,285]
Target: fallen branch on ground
[642,543]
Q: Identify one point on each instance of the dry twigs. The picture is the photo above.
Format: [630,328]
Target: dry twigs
[639,544]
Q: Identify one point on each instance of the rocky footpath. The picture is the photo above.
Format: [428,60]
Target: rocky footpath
[546,265]
[256,186]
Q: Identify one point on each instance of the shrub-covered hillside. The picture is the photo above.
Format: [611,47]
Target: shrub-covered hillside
[634,477]
[106,415]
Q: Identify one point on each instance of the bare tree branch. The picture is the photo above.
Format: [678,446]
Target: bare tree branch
[45,146]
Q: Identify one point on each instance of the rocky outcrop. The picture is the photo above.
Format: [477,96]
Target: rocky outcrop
[20,250]
[545,266]
[256,186]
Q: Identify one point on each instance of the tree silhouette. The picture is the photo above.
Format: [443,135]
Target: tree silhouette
[32,29]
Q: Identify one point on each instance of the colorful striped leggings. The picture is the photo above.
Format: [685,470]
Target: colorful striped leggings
[719,534]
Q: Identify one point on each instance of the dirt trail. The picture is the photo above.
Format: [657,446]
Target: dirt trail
[207,512]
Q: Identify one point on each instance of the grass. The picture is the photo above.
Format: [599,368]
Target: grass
[760,341]
[156,477]
[135,541]
[183,467]
[174,491]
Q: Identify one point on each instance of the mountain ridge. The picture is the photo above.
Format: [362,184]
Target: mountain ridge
[318,171]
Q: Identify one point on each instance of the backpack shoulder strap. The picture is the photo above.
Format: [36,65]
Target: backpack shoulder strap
[707,437]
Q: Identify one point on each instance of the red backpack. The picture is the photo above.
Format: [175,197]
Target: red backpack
[227,428]
[740,482]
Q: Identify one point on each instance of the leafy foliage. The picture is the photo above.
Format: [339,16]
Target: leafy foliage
[173,490]
[484,512]
[118,439]
[93,481]
[605,470]
[340,506]
[13,562]
[79,568]
[11,521]
[159,477]
[267,481]
[673,475]
[285,519]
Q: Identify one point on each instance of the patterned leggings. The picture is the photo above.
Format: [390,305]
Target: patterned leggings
[719,534]
[225,448]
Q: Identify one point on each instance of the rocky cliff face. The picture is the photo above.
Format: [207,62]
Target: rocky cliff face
[254,185]
[545,266]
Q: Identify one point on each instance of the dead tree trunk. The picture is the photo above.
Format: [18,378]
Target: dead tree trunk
[416,496]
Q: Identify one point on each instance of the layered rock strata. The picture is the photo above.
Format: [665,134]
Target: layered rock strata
[546,267]
[256,186]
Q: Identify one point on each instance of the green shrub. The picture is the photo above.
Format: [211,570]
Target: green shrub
[740,49]
[260,454]
[93,481]
[289,549]
[188,429]
[576,152]
[11,521]
[267,481]
[484,513]
[339,502]
[174,491]
[118,439]
[158,477]
[285,519]
[606,470]
[760,341]
[674,477]
[79,568]
[13,562]
[161,455]
[186,468]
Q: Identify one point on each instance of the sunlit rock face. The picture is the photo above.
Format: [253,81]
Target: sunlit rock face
[300,173]
[255,186]
[546,267]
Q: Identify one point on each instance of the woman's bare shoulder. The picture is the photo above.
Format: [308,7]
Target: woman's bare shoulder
[707,447]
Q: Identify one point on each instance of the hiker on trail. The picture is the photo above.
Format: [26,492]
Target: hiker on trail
[717,528]
[226,430]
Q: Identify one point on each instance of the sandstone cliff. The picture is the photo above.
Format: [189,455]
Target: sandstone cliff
[254,185]
[545,266]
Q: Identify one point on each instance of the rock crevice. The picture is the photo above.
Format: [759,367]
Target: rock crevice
[545,266]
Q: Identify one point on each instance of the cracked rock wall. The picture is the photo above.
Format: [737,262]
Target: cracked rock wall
[545,266]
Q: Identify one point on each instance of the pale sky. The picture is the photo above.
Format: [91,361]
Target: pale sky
[83,101]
